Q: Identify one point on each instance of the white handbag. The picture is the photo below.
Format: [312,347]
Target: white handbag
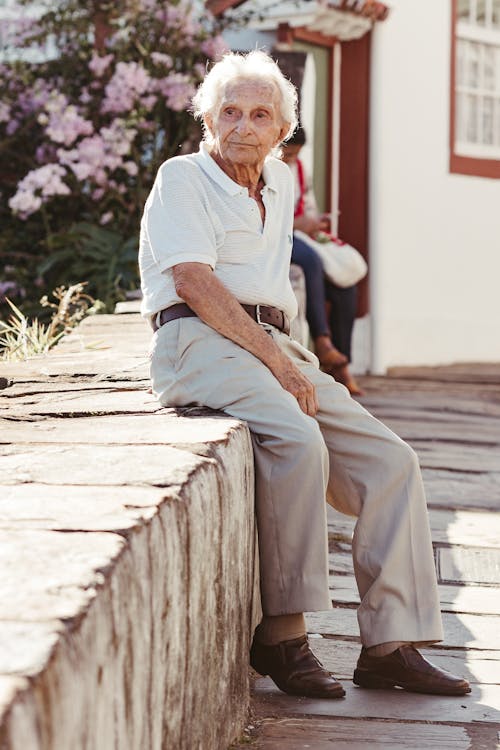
[342,263]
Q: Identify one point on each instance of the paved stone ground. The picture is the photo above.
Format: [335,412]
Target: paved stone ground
[451,416]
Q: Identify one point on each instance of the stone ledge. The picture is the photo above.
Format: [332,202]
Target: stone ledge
[127,549]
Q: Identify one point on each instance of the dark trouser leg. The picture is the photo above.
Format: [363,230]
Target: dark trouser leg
[305,257]
[342,315]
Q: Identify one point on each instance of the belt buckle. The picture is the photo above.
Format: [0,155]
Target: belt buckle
[257,315]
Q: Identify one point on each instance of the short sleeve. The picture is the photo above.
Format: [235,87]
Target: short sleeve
[177,218]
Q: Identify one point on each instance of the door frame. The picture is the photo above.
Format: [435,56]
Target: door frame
[348,105]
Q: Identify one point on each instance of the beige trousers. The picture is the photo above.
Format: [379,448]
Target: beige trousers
[370,472]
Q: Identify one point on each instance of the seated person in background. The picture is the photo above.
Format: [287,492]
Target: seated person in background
[332,337]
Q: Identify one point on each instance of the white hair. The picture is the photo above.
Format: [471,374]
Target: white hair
[256,65]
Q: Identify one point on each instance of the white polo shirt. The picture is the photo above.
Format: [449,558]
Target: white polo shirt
[196,213]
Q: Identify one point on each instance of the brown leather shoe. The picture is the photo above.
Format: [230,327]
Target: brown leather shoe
[294,668]
[408,669]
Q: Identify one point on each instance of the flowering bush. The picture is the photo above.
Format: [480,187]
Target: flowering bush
[83,132]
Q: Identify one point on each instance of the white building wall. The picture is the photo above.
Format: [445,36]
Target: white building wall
[434,236]
[12,16]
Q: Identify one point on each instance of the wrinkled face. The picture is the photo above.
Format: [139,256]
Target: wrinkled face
[248,122]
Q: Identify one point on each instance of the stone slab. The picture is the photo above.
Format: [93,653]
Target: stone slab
[429,399]
[19,391]
[112,321]
[78,404]
[340,526]
[10,686]
[463,372]
[452,456]
[83,508]
[340,562]
[470,565]
[466,599]
[482,432]
[49,575]
[460,630]
[162,466]
[460,527]
[340,657]
[343,589]
[26,646]
[469,599]
[455,489]
[166,427]
[347,734]
[481,705]
[127,307]
[435,412]
[465,528]
[102,364]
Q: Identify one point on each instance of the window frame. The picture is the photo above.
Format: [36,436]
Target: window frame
[461,164]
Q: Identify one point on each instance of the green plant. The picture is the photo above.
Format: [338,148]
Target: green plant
[104,257]
[21,338]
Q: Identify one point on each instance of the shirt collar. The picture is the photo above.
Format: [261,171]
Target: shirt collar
[269,175]
[212,169]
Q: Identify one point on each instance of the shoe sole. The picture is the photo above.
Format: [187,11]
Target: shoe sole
[373,681]
[340,693]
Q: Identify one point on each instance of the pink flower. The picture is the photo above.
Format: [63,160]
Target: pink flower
[98,193]
[106,218]
[32,99]
[130,168]
[96,157]
[214,47]
[148,102]
[85,97]
[4,112]
[63,122]
[159,58]
[53,184]
[99,64]
[178,90]
[128,83]
[179,16]
[200,70]
[12,126]
[24,203]
[8,288]
[37,187]
[118,137]
[86,158]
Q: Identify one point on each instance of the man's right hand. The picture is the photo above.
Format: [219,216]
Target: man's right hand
[292,380]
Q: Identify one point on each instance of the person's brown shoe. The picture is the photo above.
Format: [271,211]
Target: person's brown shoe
[294,668]
[333,359]
[343,375]
[408,669]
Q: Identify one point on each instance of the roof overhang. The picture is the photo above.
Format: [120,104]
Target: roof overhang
[343,19]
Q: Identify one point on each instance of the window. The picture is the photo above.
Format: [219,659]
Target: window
[475,95]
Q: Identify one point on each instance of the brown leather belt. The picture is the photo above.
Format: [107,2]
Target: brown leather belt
[262,314]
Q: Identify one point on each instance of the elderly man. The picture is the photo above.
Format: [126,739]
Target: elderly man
[216,238]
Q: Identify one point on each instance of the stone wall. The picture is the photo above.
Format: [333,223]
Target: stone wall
[127,555]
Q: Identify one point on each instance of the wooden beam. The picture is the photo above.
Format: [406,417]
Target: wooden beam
[219,7]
